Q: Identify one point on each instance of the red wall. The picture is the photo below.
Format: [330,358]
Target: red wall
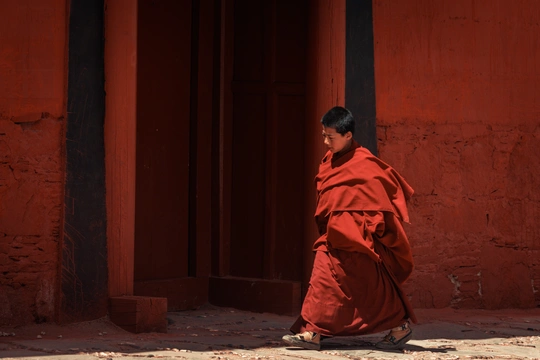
[457,89]
[32,101]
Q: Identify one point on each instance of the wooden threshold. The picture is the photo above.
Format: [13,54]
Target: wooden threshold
[182,293]
[257,295]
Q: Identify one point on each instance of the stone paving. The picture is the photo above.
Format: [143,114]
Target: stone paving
[223,333]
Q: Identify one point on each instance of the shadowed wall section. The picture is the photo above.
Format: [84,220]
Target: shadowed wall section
[84,255]
[360,78]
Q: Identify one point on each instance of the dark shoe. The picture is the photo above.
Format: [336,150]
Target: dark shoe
[307,340]
[391,343]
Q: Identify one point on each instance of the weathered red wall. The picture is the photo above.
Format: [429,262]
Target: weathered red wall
[32,98]
[457,89]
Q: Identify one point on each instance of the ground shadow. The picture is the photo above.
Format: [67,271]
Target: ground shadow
[224,330]
[355,344]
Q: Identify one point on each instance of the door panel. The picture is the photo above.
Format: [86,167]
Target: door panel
[248,184]
[289,218]
[267,141]
[290,24]
[177,89]
[249,41]
[163,124]
[262,122]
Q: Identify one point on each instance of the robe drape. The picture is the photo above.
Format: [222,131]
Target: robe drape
[362,256]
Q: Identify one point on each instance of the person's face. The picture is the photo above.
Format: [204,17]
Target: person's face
[334,140]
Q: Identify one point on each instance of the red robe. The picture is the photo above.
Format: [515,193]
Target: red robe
[363,255]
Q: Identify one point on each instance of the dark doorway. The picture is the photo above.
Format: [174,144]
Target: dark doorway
[163,127]
[166,175]
[225,79]
[264,72]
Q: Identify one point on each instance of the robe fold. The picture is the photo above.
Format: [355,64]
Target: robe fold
[362,256]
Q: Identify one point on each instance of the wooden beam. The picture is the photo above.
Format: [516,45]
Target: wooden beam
[120,129]
[360,72]
[84,272]
[325,88]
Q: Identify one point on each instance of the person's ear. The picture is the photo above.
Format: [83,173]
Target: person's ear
[348,135]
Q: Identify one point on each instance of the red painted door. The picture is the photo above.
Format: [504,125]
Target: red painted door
[263,121]
[163,104]
[165,248]
[268,118]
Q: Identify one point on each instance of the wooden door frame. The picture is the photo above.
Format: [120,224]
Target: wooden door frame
[120,156]
[120,141]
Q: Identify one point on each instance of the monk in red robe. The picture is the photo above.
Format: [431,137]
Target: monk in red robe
[362,256]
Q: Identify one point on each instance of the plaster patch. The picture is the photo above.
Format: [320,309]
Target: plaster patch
[456,296]
[479,283]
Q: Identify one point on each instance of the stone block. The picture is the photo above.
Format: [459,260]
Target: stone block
[138,314]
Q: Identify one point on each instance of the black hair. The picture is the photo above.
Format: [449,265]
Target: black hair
[340,119]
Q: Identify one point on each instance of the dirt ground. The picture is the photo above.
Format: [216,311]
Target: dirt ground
[222,333]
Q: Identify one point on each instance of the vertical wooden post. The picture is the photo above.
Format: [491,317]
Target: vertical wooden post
[227,46]
[205,113]
[360,70]
[325,88]
[120,130]
[83,277]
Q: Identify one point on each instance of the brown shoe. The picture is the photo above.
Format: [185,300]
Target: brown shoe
[307,340]
[396,338]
